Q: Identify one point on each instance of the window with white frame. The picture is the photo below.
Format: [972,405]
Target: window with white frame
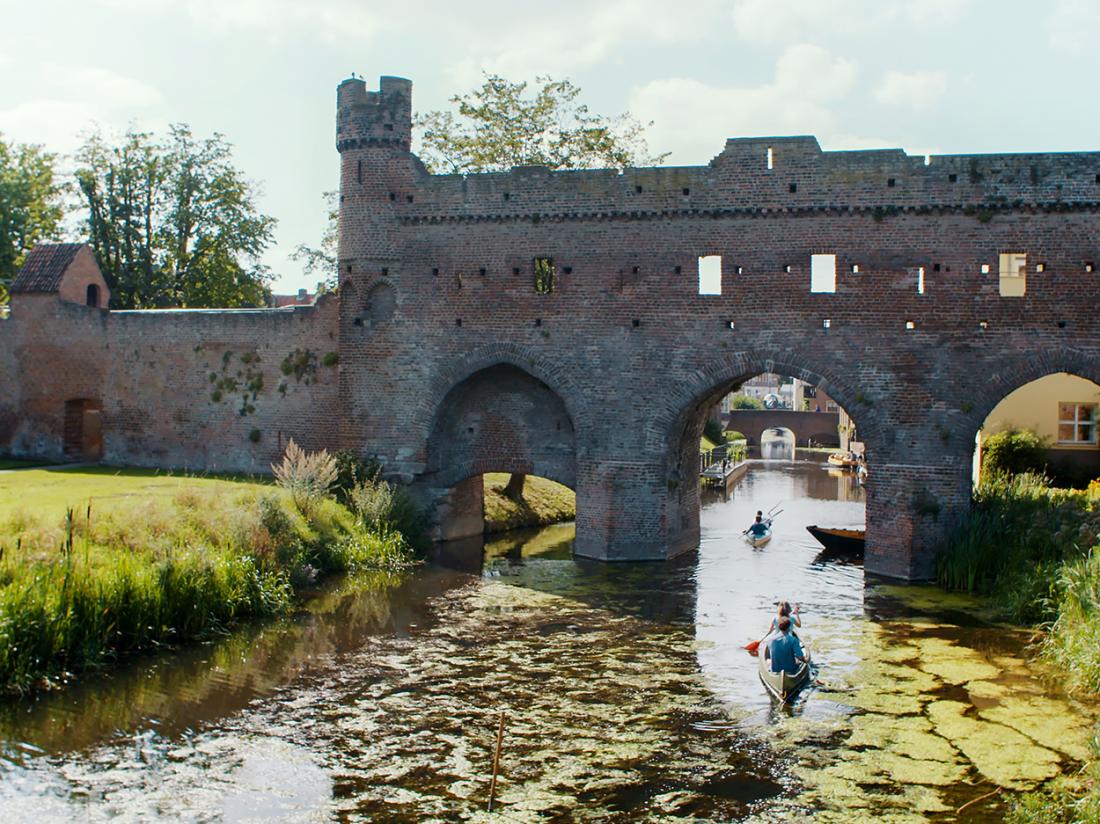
[1076,422]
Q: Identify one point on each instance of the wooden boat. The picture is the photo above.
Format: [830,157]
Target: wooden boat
[845,460]
[839,540]
[782,684]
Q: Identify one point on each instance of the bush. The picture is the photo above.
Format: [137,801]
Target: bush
[1012,452]
[734,435]
[351,470]
[745,402]
[384,508]
[307,476]
[712,431]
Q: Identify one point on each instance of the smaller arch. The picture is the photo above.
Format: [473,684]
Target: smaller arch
[91,295]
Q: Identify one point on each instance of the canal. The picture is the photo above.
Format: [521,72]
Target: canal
[625,691]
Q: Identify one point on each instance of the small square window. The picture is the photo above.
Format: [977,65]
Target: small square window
[388,127]
[891,182]
[507,196]
[826,323]
[385,272]
[633,270]
[1040,267]
[636,323]
[677,269]
[792,188]
[409,198]
[732,324]
[983,325]
[985,268]
[393,195]
[953,178]
[638,190]
[910,324]
[740,270]
[458,321]
[855,268]
[1090,267]
[567,270]
[787,268]
[481,271]
[935,267]
[515,270]
[686,191]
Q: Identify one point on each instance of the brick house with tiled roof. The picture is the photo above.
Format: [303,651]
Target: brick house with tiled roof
[68,270]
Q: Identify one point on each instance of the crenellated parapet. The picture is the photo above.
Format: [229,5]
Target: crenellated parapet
[369,118]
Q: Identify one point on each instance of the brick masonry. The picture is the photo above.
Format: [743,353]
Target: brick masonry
[450,364]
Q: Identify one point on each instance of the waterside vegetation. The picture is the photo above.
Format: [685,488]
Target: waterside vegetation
[1035,550]
[169,560]
[541,503]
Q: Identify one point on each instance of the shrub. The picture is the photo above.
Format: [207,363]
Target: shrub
[1012,452]
[351,470]
[745,402]
[384,507]
[734,435]
[712,431]
[307,476]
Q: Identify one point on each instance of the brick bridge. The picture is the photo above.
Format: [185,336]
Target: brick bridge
[820,427]
[553,323]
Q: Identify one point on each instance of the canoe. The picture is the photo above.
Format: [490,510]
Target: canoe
[759,541]
[782,684]
[839,540]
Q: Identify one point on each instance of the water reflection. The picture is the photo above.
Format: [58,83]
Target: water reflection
[626,693]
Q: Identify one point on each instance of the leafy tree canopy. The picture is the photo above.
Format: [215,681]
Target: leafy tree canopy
[173,222]
[30,205]
[499,126]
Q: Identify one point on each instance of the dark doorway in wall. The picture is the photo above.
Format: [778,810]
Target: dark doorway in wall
[82,439]
[92,295]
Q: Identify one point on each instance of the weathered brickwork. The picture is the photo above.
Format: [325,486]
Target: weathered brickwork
[451,364]
[817,427]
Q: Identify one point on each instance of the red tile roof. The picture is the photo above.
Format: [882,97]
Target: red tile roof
[44,267]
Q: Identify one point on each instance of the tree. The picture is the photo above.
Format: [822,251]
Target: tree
[321,260]
[498,127]
[1012,452]
[30,205]
[174,222]
[745,402]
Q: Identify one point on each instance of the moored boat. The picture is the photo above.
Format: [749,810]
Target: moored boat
[838,540]
[845,460]
[782,684]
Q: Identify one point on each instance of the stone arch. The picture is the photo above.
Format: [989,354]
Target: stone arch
[379,304]
[539,367]
[1004,376]
[678,423]
[502,419]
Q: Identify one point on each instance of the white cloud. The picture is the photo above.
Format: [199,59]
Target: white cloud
[575,34]
[785,20]
[75,99]
[331,19]
[918,90]
[692,118]
[108,89]
[1072,25]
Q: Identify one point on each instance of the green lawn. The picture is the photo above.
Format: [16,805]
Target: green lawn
[47,492]
[544,502]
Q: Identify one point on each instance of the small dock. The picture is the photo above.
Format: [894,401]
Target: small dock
[723,474]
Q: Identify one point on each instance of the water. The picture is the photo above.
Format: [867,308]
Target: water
[625,691]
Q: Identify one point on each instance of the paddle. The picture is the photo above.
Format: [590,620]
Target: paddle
[752,647]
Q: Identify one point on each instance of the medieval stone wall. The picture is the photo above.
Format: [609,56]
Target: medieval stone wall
[216,390]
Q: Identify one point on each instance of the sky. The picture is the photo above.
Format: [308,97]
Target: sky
[929,76]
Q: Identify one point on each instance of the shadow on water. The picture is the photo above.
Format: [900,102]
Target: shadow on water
[626,692]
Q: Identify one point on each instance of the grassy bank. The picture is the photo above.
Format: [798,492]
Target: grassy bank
[100,563]
[543,502]
[1035,550]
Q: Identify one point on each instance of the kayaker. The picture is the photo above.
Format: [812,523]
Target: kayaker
[758,529]
[784,611]
[784,650]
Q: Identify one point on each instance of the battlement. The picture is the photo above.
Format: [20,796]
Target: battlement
[369,118]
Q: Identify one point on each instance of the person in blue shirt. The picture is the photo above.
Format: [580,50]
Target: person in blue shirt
[784,650]
[759,528]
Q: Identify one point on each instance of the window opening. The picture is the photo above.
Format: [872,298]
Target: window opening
[985,268]
[910,324]
[1040,267]
[822,273]
[855,268]
[920,280]
[891,182]
[733,324]
[91,297]
[953,178]
[1090,266]
[686,191]
[481,271]
[359,171]
[983,324]
[1076,422]
[1013,270]
[740,270]
[771,160]
[544,275]
[710,275]
[826,323]
[792,188]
